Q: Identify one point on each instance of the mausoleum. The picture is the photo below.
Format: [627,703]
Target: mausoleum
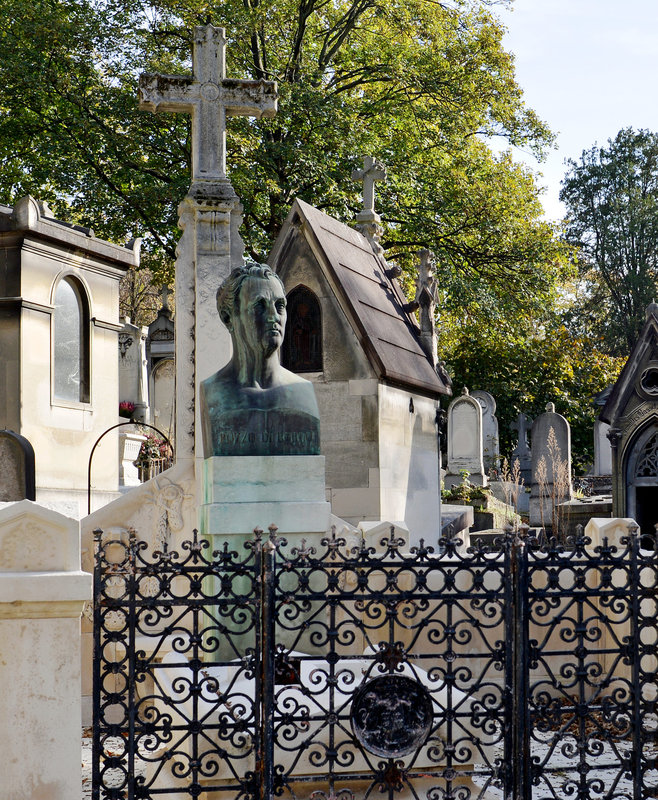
[631,411]
[352,333]
[59,304]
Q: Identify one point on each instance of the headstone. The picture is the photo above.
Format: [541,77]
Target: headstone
[602,449]
[551,467]
[465,441]
[490,439]
[368,220]
[210,216]
[17,459]
[426,297]
[133,375]
[163,381]
[522,450]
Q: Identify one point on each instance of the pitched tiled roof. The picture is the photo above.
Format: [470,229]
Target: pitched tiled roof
[372,300]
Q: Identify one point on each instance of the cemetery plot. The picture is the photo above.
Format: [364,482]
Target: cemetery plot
[515,671]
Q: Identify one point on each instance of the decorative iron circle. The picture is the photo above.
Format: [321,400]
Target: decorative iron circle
[391,715]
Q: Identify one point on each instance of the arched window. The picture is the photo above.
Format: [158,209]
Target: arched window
[302,345]
[71,342]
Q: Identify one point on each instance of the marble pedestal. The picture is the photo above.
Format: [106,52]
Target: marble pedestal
[245,492]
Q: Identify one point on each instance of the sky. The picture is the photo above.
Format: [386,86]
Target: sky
[588,68]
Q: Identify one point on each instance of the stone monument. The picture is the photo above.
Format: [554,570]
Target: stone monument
[210,216]
[522,450]
[465,441]
[261,426]
[368,220]
[551,467]
[491,451]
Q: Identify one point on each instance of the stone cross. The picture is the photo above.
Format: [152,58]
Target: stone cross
[209,97]
[165,294]
[209,216]
[372,172]
[522,450]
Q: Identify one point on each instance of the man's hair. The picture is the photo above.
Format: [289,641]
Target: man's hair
[228,294]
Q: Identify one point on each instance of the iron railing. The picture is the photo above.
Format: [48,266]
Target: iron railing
[256,670]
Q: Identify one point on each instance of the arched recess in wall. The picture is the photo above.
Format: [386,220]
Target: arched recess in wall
[302,345]
[641,471]
[71,332]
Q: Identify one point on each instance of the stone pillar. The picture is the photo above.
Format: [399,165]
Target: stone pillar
[42,591]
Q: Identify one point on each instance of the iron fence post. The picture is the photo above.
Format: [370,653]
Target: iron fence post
[267,665]
[636,658]
[518,774]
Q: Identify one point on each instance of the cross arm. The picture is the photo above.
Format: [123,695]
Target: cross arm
[247,98]
[166,92]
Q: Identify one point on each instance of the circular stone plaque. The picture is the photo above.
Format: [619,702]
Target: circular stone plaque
[391,715]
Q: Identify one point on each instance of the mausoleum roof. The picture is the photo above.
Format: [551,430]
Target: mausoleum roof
[29,217]
[639,374]
[371,299]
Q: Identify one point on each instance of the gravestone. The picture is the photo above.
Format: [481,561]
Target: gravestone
[551,466]
[490,439]
[602,449]
[465,441]
[17,459]
[522,450]
[261,427]
[133,375]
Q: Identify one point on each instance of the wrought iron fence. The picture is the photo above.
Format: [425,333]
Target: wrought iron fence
[520,671]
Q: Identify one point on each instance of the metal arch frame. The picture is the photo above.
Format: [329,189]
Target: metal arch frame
[97,442]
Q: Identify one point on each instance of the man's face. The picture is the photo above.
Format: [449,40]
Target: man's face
[262,312]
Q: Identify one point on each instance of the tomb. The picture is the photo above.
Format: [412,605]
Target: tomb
[631,411]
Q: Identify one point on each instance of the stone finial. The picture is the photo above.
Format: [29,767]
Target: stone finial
[426,297]
[465,392]
[368,221]
[652,310]
[550,408]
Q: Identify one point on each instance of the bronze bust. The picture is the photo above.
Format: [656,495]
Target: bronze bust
[253,406]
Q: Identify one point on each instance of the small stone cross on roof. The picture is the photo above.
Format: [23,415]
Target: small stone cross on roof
[372,172]
[209,97]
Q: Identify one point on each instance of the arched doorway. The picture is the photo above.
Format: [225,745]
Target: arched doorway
[642,480]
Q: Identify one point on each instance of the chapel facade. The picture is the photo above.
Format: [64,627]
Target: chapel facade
[631,411]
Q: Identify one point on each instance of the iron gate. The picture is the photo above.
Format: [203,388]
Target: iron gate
[516,671]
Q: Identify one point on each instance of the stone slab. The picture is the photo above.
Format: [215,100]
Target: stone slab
[263,479]
[241,518]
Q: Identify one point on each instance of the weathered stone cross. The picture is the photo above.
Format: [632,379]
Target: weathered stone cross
[209,97]
[372,172]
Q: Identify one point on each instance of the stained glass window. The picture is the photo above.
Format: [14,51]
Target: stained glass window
[302,346]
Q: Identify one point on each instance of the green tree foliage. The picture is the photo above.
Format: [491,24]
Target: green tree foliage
[611,196]
[525,365]
[418,83]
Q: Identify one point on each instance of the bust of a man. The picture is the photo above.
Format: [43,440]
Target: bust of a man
[253,406]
